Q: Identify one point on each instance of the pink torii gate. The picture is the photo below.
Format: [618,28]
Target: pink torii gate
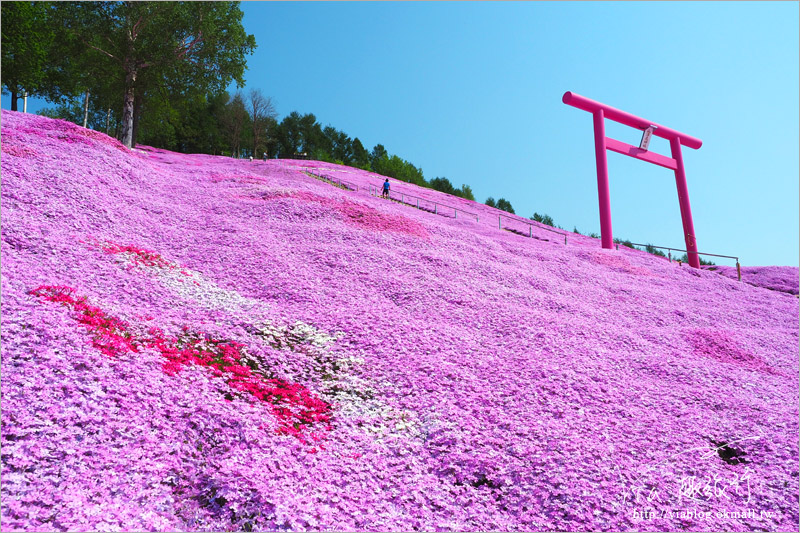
[600,112]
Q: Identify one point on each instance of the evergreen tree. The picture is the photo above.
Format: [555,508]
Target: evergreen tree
[378,152]
[505,205]
[443,185]
[360,155]
[543,219]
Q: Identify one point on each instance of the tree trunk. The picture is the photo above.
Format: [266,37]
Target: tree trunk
[256,139]
[127,107]
[86,108]
[108,121]
[137,114]
[14,96]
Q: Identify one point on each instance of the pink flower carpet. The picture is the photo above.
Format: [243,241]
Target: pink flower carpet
[196,343]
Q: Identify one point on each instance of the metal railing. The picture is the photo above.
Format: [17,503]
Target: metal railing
[304,167]
[530,227]
[423,204]
[670,250]
[335,181]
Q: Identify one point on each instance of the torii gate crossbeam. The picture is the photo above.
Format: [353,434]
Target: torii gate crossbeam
[600,112]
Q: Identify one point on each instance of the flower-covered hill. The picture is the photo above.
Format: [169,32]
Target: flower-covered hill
[198,343]
[782,279]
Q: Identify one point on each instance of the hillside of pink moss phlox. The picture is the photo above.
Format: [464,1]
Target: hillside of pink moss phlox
[197,343]
[782,279]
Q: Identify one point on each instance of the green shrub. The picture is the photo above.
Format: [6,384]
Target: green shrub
[626,242]
[544,219]
[685,259]
[505,205]
[466,192]
[650,249]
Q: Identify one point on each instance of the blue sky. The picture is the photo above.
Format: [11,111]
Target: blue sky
[472,91]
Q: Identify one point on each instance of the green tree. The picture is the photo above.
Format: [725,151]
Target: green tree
[311,135]
[443,185]
[188,47]
[342,147]
[650,249]
[505,205]
[685,259]
[544,219]
[466,192]
[235,123]
[302,133]
[271,144]
[400,169]
[289,135]
[26,43]
[192,125]
[490,202]
[378,152]
[338,145]
[360,155]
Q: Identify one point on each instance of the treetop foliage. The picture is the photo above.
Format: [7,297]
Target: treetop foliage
[26,42]
[544,219]
[505,205]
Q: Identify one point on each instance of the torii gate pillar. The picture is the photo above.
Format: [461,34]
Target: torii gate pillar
[600,112]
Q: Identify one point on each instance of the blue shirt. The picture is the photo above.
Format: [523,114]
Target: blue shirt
[385,185]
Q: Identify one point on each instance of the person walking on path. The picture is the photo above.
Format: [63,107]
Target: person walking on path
[385,189]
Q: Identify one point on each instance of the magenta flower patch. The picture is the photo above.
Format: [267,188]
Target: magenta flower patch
[295,407]
[356,214]
[720,346]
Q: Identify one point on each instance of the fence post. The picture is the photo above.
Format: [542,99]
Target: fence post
[530,231]
[455,213]
[417,203]
[499,224]
[738,270]
[435,209]
[403,198]
[669,255]
[565,239]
